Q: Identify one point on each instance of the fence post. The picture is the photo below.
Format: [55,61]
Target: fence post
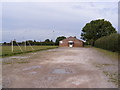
[12,45]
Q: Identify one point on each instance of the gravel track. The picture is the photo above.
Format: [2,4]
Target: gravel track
[59,68]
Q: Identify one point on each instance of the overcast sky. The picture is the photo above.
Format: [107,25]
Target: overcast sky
[38,20]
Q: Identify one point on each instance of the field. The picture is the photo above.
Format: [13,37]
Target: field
[7,50]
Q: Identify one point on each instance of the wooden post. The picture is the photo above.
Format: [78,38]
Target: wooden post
[12,45]
[25,45]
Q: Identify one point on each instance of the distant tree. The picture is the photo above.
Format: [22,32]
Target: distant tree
[14,42]
[51,41]
[59,39]
[4,43]
[34,40]
[47,40]
[96,29]
[30,42]
[23,42]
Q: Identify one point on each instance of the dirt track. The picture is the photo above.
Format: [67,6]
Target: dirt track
[59,68]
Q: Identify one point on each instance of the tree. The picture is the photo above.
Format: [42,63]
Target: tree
[47,40]
[96,29]
[59,39]
[29,42]
[4,43]
[34,41]
[14,42]
[51,41]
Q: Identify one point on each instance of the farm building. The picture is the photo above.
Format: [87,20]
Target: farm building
[71,42]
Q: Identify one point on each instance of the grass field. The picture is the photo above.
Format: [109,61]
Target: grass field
[6,50]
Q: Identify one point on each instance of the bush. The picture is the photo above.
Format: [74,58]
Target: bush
[109,42]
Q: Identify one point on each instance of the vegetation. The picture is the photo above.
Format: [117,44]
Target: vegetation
[47,42]
[6,50]
[30,42]
[27,46]
[110,42]
[113,77]
[59,39]
[108,53]
[96,29]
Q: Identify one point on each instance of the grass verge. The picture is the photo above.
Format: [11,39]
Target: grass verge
[111,54]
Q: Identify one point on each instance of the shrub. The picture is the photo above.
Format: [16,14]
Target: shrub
[109,42]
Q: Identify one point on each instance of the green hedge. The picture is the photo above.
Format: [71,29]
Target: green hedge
[109,42]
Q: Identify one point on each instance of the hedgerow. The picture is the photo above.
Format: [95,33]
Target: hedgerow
[111,42]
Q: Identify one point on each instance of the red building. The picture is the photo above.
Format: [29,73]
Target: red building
[71,42]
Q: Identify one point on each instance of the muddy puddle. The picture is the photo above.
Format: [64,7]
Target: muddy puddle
[62,71]
[19,57]
[77,80]
[51,78]
[32,67]
[32,73]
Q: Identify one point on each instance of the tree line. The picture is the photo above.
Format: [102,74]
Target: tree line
[47,42]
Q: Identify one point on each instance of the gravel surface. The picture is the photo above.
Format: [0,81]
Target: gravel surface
[0,73]
[59,68]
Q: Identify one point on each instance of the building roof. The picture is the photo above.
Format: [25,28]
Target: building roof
[72,38]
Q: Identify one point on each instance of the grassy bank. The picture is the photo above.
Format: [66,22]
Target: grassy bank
[6,50]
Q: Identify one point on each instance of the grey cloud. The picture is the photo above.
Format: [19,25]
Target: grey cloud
[64,18]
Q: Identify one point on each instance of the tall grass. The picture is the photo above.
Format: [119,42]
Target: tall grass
[111,42]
